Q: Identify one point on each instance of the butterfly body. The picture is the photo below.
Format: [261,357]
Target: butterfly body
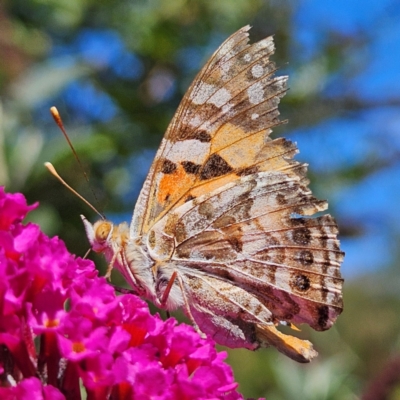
[222,227]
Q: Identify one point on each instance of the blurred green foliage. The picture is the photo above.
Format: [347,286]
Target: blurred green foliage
[116,102]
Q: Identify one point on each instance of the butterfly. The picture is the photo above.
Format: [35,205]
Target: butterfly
[223,225]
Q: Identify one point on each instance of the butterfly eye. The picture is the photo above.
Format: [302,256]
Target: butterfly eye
[102,231]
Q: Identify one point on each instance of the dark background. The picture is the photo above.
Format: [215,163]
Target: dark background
[117,70]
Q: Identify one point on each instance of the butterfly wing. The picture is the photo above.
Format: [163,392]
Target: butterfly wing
[251,256]
[229,209]
[256,234]
[219,132]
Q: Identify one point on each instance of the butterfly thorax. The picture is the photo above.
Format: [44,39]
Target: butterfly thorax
[121,251]
[147,276]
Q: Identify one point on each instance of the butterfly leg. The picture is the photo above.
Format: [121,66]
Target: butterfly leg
[168,288]
[112,262]
[168,291]
[110,266]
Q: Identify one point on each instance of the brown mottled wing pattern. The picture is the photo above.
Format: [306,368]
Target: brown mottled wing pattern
[256,234]
[229,210]
[219,132]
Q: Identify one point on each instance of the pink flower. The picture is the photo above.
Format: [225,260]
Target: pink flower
[61,323]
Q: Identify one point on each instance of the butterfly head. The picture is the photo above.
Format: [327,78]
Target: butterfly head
[124,254]
[99,234]
[105,237]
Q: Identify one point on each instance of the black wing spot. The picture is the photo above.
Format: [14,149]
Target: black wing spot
[302,282]
[302,236]
[191,167]
[215,166]
[202,136]
[248,171]
[168,167]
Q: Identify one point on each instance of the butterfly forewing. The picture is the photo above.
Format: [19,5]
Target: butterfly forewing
[219,130]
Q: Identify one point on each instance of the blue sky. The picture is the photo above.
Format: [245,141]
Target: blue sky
[360,137]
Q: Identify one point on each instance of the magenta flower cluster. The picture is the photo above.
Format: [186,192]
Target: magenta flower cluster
[63,331]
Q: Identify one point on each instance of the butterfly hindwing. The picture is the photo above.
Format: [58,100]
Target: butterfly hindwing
[253,234]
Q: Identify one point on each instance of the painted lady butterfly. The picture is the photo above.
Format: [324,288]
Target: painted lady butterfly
[220,226]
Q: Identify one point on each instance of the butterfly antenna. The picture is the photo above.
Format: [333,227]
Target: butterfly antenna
[53,171]
[57,118]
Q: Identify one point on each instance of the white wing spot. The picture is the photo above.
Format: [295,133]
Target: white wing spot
[221,97]
[194,121]
[203,93]
[247,57]
[257,70]
[256,93]
[188,150]
[226,67]
[254,116]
